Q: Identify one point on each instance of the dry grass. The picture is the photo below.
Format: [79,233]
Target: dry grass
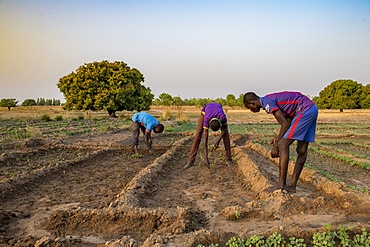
[235,115]
[36,112]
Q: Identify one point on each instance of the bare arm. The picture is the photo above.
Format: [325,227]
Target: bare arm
[223,133]
[148,141]
[205,147]
[284,123]
[284,126]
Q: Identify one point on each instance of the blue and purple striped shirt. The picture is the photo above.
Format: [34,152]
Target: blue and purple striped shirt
[289,103]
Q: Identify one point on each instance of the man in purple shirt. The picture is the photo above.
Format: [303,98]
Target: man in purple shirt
[212,116]
[297,115]
[147,123]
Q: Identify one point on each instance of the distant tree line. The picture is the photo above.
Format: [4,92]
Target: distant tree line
[340,94]
[165,99]
[29,102]
[41,101]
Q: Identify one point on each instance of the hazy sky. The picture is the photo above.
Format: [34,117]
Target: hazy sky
[186,48]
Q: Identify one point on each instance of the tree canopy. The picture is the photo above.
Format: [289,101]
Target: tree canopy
[340,94]
[8,103]
[29,102]
[111,86]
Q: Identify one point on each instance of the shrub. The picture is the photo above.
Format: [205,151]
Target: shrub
[46,118]
[182,118]
[166,115]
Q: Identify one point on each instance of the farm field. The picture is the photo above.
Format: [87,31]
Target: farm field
[74,182]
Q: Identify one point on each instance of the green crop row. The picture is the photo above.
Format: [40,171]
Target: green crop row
[325,238]
[355,146]
[346,159]
[37,129]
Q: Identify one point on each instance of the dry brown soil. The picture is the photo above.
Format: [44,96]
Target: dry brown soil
[90,191]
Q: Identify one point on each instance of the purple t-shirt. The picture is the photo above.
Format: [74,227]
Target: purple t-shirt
[289,103]
[213,110]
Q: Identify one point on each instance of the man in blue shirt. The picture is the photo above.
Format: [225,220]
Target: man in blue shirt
[297,115]
[147,123]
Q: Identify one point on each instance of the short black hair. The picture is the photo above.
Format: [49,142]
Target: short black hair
[158,128]
[250,97]
[215,124]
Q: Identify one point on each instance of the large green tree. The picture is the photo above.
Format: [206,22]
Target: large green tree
[340,94]
[365,97]
[110,86]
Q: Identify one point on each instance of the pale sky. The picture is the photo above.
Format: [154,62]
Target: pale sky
[187,48]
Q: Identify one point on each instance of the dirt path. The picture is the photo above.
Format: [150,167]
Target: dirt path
[92,192]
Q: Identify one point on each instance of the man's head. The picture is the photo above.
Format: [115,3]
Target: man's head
[215,124]
[158,128]
[252,101]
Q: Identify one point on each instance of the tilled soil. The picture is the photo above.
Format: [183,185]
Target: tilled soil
[91,191]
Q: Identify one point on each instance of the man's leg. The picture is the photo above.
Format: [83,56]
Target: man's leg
[283,146]
[135,136]
[226,140]
[304,132]
[302,148]
[143,129]
[196,142]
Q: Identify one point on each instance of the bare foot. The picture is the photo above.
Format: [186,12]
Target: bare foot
[230,163]
[189,164]
[290,189]
[207,165]
[272,188]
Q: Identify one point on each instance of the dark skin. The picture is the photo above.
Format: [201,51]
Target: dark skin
[148,140]
[280,149]
[224,131]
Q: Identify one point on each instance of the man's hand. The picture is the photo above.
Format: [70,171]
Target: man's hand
[275,152]
[273,141]
[216,144]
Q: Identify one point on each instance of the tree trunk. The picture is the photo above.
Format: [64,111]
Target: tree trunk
[112,113]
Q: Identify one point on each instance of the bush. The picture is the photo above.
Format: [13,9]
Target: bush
[166,115]
[182,118]
[46,118]
[58,118]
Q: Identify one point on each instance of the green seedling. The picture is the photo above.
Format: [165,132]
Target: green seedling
[136,155]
